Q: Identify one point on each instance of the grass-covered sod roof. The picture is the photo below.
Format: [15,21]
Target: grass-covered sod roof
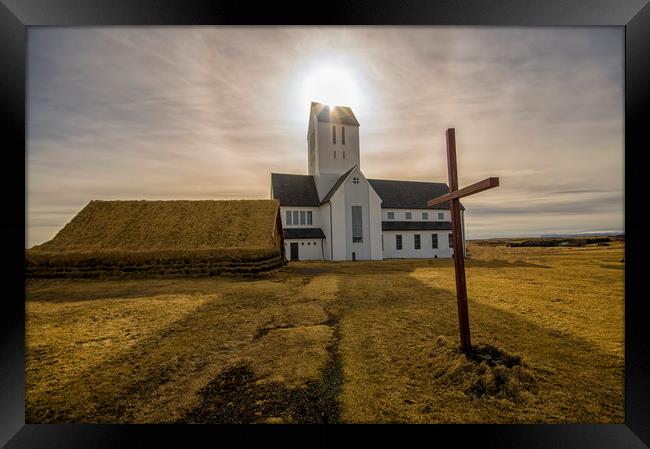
[106,234]
[167,225]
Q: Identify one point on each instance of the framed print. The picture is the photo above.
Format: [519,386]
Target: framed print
[381,214]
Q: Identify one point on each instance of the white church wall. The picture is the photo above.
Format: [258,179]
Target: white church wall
[325,226]
[416,214]
[312,138]
[308,249]
[338,231]
[315,214]
[374,200]
[357,195]
[408,250]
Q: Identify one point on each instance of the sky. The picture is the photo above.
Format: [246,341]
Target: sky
[210,112]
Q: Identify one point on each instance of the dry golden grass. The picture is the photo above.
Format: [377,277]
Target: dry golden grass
[376,341]
[177,343]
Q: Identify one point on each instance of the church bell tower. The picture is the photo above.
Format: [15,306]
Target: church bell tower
[332,144]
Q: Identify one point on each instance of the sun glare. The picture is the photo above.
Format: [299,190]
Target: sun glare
[333,86]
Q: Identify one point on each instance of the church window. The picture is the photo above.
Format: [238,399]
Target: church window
[355,180]
[296,218]
[308,243]
[434,241]
[441,216]
[408,215]
[357,228]
[425,215]
[302,217]
[416,241]
[391,215]
[398,241]
[334,135]
[309,218]
[288,217]
[342,135]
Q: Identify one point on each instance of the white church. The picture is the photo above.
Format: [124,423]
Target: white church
[336,213]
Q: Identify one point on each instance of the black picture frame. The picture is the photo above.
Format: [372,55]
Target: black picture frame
[16,15]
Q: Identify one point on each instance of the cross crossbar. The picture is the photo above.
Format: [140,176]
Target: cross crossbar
[465,191]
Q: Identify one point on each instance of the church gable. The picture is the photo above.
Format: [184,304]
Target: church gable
[353,173]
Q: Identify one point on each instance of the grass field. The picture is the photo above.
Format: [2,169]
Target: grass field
[337,342]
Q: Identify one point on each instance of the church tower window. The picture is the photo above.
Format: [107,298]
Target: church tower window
[342,135]
[333,134]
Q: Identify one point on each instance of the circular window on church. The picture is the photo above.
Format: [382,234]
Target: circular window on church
[355,180]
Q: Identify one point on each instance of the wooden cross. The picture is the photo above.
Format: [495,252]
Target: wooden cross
[456,232]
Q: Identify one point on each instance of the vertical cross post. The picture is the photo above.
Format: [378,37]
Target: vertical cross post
[457,242]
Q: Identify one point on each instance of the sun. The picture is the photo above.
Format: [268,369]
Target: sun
[331,85]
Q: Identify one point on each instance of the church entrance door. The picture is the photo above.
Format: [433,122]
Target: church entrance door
[294,250]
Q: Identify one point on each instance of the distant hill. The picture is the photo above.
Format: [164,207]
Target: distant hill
[585,234]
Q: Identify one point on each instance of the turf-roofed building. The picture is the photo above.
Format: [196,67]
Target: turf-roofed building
[164,237]
[335,213]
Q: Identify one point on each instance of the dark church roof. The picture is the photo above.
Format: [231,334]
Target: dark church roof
[300,191]
[294,190]
[339,114]
[415,225]
[408,194]
[303,233]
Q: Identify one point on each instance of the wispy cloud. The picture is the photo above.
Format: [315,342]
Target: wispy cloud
[202,112]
